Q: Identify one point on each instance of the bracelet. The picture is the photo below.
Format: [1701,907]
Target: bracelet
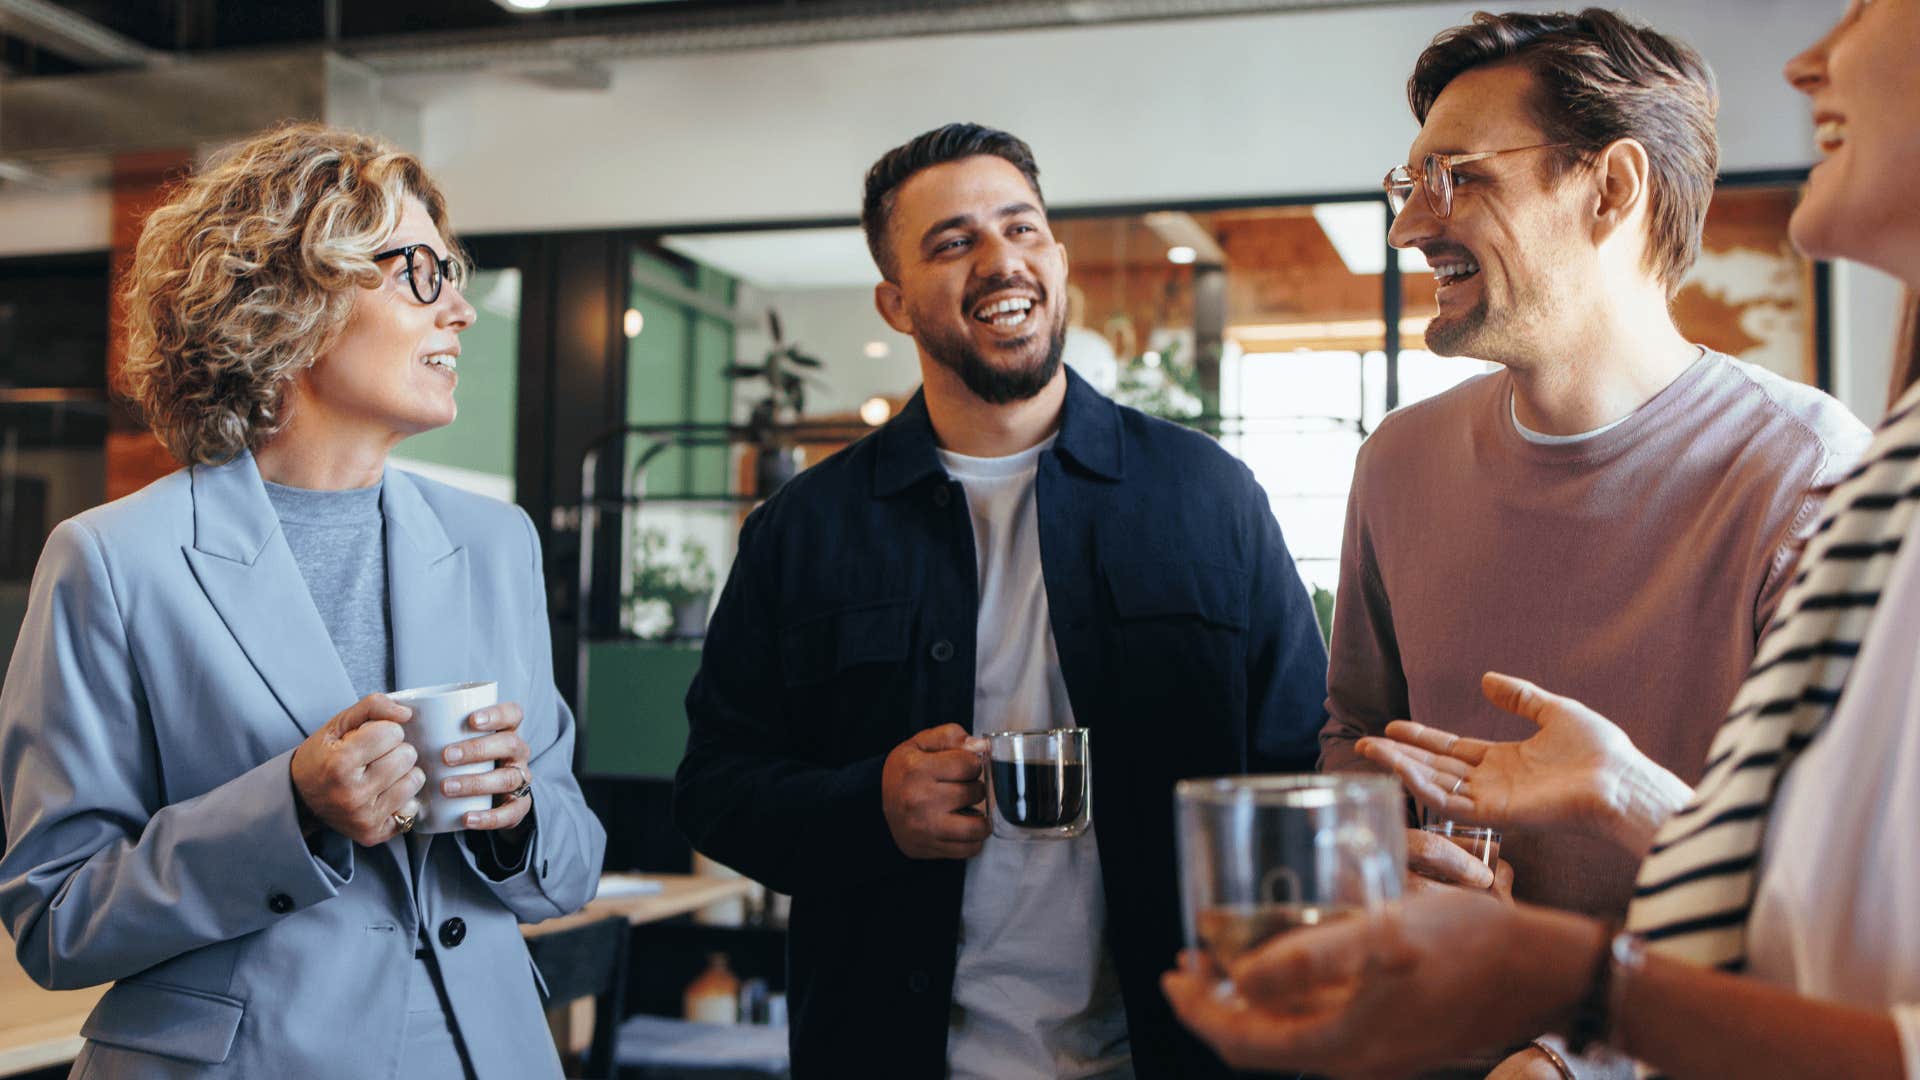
[1553,1057]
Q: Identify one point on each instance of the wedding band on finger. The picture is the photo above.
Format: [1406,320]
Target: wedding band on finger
[526,784]
[1455,790]
[1451,740]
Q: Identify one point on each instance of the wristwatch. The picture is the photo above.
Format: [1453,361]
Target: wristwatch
[1596,1020]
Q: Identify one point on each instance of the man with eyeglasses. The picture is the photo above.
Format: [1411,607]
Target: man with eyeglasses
[1617,511]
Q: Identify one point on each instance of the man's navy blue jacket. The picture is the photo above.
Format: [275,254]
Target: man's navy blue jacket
[1188,645]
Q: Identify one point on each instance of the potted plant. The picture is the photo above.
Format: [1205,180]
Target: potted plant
[1163,384]
[670,588]
[785,370]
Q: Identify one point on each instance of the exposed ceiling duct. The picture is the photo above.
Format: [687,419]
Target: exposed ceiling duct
[537,46]
[152,99]
[53,28]
[193,103]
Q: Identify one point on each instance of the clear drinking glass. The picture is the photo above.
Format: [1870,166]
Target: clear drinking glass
[1479,841]
[1262,855]
[1039,784]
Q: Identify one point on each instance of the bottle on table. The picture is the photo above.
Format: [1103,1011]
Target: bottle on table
[713,997]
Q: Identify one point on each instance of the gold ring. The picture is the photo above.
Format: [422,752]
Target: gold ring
[526,784]
[404,822]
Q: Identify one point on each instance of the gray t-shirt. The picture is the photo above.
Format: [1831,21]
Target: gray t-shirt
[339,542]
[1035,995]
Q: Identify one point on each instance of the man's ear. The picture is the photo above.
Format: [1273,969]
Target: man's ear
[1624,188]
[891,303]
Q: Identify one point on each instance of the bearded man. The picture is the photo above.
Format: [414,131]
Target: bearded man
[1013,552]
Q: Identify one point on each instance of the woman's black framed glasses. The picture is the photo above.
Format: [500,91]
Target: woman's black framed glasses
[426,270]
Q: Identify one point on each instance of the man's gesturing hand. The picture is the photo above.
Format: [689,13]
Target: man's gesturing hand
[931,792]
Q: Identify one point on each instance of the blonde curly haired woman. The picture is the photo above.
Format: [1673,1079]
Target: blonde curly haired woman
[205,790]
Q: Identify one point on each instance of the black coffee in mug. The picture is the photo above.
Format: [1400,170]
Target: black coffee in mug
[1039,795]
[1039,783]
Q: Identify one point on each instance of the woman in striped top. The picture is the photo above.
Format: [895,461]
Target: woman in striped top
[1770,933]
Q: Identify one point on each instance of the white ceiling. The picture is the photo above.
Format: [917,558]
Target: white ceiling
[784,258]
[837,258]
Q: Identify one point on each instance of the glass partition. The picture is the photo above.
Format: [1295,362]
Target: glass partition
[476,451]
[53,412]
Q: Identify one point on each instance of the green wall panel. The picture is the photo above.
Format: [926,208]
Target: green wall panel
[481,438]
[636,713]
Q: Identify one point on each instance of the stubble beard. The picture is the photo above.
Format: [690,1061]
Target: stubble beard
[1483,333]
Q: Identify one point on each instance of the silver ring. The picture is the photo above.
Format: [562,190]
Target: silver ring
[1455,790]
[526,784]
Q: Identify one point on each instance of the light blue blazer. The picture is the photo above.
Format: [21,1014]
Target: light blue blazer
[170,662]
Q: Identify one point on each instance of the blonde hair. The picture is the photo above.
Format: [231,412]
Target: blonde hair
[248,274]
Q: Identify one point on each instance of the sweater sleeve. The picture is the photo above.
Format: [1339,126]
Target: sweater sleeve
[1366,687]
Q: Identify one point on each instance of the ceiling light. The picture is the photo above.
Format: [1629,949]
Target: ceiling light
[877,350]
[1177,228]
[633,322]
[1358,231]
[534,5]
[1181,255]
[875,411]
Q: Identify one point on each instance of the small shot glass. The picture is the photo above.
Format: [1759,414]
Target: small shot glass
[1480,841]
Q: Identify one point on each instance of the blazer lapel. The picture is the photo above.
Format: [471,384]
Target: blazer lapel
[247,570]
[428,607]
[427,584]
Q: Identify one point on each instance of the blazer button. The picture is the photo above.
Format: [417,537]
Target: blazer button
[279,903]
[918,982]
[941,496]
[942,651]
[453,932]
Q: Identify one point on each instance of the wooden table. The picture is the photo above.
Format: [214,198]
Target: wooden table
[679,894]
[40,1029]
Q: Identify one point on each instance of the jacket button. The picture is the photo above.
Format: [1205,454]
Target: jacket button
[453,932]
[918,982]
[279,903]
[942,651]
[941,496]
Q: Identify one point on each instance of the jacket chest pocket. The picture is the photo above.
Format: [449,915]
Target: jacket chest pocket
[847,676]
[1179,629]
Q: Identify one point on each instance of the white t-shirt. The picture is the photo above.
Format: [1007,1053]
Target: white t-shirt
[1833,913]
[1035,996]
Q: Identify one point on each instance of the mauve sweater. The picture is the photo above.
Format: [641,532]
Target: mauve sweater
[1633,571]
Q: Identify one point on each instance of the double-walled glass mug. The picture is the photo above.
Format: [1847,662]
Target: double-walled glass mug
[1262,855]
[1039,784]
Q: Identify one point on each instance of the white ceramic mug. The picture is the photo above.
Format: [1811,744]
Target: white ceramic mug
[440,720]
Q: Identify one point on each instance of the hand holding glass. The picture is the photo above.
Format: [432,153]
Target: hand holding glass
[1262,855]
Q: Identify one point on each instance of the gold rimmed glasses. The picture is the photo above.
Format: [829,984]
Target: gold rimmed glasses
[1434,176]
